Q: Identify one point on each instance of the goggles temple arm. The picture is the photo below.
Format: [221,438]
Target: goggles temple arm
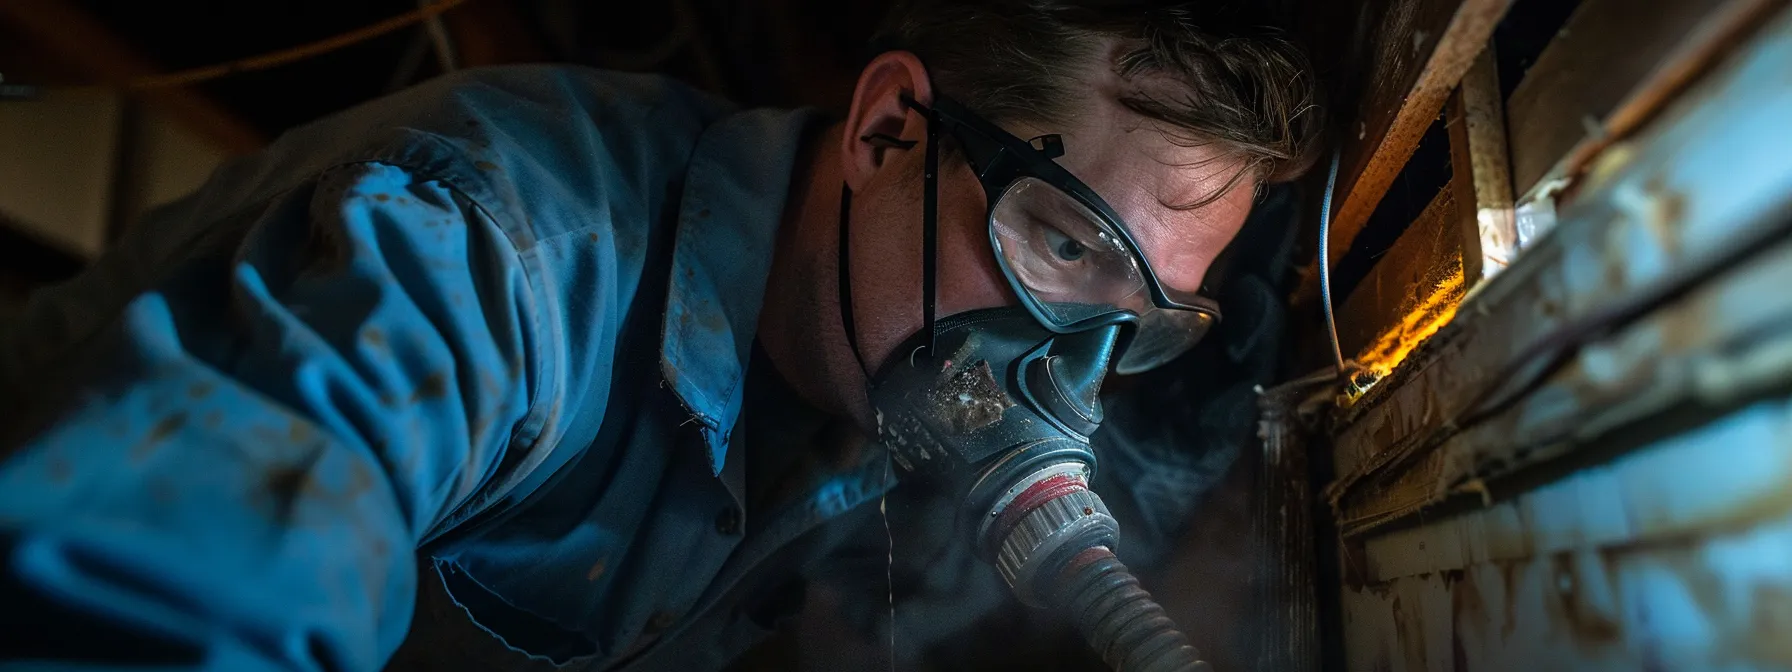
[930,226]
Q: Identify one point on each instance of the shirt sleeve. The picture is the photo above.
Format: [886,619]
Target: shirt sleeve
[242,480]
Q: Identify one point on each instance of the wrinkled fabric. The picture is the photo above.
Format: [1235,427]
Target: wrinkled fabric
[469,369]
[502,319]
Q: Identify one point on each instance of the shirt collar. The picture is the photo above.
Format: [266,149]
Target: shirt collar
[733,201]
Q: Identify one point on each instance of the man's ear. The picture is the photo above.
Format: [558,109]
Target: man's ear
[878,120]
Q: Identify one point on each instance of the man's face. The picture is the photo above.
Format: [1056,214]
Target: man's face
[1142,174]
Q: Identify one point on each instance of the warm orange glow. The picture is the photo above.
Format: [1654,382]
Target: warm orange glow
[1435,306]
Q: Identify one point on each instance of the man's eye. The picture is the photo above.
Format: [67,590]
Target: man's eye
[1064,247]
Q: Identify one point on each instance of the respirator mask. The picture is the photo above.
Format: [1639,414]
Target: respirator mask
[999,404]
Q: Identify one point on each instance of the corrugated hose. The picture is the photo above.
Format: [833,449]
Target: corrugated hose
[1122,623]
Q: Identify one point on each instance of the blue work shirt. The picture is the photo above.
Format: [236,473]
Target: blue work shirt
[504,318]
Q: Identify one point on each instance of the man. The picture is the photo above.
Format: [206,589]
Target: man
[479,352]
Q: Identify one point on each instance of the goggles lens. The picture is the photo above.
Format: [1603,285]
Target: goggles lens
[1071,265]
[1064,257]
[1164,334]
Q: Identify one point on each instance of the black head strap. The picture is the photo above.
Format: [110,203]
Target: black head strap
[845,264]
[930,231]
[929,240]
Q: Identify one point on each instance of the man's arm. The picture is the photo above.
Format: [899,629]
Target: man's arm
[243,481]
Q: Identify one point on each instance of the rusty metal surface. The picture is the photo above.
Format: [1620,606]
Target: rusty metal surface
[1627,311]
[1666,559]
[1287,580]
[1590,468]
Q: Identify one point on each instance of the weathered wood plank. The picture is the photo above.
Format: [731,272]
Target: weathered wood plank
[1411,291]
[1411,54]
[1658,301]
[1586,574]
[1604,51]
[1483,176]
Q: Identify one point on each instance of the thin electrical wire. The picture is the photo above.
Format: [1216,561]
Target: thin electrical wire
[294,54]
[1325,261]
[883,507]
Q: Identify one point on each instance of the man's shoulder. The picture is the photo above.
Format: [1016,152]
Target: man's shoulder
[545,149]
[558,146]
[538,106]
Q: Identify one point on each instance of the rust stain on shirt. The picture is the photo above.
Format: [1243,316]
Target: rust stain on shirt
[299,432]
[281,488]
[597,571]
[164,429]
[433,386]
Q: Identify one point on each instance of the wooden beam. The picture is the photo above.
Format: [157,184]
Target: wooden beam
[73,36]
[1482,173]
[1602,53]
[1664,264]
[1414,54]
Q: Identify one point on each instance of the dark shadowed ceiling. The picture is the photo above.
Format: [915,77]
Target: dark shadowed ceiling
[758,52]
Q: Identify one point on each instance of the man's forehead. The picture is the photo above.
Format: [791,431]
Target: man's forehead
[1127,158]
[1146,175]
[1149,178]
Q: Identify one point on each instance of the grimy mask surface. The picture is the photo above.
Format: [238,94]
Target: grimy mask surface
[992,383]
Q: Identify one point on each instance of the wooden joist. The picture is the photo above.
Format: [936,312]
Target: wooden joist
[69,34]
[1482,172]
[1612,66]
[1413,56]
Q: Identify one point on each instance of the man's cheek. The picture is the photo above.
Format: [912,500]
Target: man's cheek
[970,276]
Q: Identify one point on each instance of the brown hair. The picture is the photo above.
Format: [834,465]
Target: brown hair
[1234,83]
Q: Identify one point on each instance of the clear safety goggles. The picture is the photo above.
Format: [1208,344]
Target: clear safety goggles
[1066,253]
